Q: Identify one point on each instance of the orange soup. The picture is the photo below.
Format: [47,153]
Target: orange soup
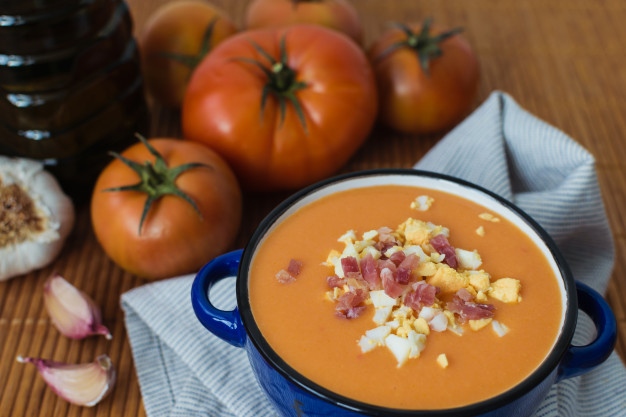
[463,362]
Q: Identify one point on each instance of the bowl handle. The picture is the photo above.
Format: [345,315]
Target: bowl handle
[226,325]
[580,359]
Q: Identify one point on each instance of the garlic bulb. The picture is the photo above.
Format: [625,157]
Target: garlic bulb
[72,311]
[35,217]
[83,384]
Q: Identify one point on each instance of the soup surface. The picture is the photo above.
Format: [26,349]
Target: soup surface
[301,325]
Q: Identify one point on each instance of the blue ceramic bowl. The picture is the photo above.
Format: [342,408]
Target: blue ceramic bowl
[294,395]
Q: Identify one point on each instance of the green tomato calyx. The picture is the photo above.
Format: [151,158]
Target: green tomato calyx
[282,81]
[192,61]
[425,45]
[156,179]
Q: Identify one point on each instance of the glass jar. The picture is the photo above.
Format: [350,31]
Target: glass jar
[70,83]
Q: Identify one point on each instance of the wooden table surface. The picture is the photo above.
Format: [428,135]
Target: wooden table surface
[563,60]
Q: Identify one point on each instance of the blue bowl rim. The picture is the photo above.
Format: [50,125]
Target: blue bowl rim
[490,404]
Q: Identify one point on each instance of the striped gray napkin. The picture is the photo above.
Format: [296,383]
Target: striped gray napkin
[184,370]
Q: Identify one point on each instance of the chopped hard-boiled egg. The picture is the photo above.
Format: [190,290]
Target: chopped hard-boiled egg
[360,245]
[417,250]
[332,257]
[468,259]
[427,269]
[381,299]
[372,251]
[416,232]
[479,324]
[422,203]
[421,326]
[382,314]
[348,237]
[417,342]
[480,280]
[378,334]
[506,290]
[489,217]
[499,328]
[399,346]
[427,313]
[442,360]
[370,235]
[448,279]
[439,322]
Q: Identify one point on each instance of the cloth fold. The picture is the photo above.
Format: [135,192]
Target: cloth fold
[184,370]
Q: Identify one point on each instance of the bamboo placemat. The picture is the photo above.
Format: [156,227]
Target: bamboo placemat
[563,60]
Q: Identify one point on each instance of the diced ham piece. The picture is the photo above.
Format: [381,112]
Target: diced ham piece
[285,277]
[386,263]
[392,288]
[334,281]
[348,304]
[403,276]
[410,262]
[349,264]
[356,281]
[441,245]
[289,275]
[385,236]
[469,310]
[355,275]
[355,312]
[294,267]
[423,295]
[369,272]
[406,267]
[397,257]
[383,247]
[464,295]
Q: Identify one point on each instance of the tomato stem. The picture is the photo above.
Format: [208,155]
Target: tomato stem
[156,179]
[281,82]
[425,45]
[192,61]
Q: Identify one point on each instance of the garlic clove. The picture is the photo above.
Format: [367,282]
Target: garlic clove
[72,311]
[35,218]
[82,384]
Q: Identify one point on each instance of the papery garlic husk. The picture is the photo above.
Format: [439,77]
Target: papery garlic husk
[72,311]
[83,384]
[35,217]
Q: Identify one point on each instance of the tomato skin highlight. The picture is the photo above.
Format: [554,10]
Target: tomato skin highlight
[413,102]
[335,14]
[174,238]
[177,28]
[222,107]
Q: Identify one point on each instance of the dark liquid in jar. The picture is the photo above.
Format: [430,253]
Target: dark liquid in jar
[70,84]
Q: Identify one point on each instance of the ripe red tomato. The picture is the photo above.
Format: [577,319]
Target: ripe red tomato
[175,237]
[174,40]
[335,14]
[285,107]
[413,100]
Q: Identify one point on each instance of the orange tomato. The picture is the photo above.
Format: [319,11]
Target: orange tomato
[285,107]
[414,100]
[175,237]
[174,39]
[335,14]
